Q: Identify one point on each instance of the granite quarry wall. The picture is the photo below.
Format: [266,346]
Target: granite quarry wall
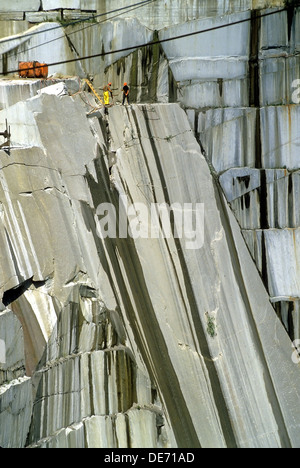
[109,331]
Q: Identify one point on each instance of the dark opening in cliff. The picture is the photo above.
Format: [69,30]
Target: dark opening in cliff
[14,293]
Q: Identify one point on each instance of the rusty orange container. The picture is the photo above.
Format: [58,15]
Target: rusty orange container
[33,70]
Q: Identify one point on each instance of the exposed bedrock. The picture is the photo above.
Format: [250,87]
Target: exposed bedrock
[176,329]
[115,328]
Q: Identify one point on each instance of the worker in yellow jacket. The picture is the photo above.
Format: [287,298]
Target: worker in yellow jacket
[106,96]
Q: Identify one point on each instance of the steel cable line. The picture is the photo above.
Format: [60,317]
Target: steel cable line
[10,39]
[12,53]
[157,42]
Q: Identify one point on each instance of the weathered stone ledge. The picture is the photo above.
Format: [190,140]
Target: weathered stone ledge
[138,427]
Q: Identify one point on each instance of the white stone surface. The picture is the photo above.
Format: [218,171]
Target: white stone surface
[15,412]
[280,137]
[137,421]
[59,90]
[13,91]
[89,4]
[106,37]
[211,56]
[20,5]
[43,16]
[36,47]
[228,136]
[208,69]
[162,295]
[157,159]
[234,43]
[9,22]
[101,383]
[238,182]
[2,352]
[155,120]
[12,359]
[60,4]
[283,255]
[53,332]
[278,74]
[249,190]
[160,15]
[274,34]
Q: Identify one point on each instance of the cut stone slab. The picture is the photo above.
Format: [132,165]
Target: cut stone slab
[280,136]
[43,16]
[12,358]
[15,412]
[20,5]
[16,16]
[61,4]
[70,15]
[228,137]
[59,90]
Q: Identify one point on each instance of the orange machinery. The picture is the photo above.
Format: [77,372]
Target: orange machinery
[33,70]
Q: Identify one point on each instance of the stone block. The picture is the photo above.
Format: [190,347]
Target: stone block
[61,4]
[2,352]
[277,78]
[260,198]
[12,358]
[227,42]
[8,16]
[70,15]
[89,5]
[228,137]
[274,34]
[161,15]
[43,16]
[19,5]
[280,136]
[15,412]
[258,4]
[277,252]
[283,260]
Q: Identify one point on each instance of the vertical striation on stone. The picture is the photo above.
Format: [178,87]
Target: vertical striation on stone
[99,337]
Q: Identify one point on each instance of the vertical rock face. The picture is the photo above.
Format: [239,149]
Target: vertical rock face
[84,373]
[114,328]
[212,275]
[131,310]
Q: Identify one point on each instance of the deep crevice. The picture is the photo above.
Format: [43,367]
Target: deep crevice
[13,294]
[290,17]
[254,59]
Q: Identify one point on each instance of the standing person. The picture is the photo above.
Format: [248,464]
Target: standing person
[126,91]
[106,96]
[110,90]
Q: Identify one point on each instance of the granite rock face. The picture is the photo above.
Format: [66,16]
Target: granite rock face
[135,339]
[106,320]
[81,370]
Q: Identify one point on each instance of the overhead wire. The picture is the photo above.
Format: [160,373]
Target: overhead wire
[158,41]
[35,33]
[129,9]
